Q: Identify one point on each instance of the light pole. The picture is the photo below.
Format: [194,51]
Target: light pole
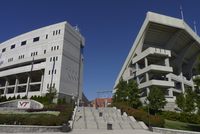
[147,103]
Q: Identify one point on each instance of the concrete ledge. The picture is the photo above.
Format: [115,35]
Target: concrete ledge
[31,129]
[172,131]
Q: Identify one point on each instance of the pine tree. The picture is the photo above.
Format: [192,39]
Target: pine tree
[156,99]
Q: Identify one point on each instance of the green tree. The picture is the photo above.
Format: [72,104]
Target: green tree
[156,99]
[121,92]
[51,94]
[186,101]
[133,94]
[127,93]
[180,101]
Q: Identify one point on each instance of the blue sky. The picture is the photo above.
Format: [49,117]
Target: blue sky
[109,27]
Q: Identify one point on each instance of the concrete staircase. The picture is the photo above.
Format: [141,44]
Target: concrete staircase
[101,118]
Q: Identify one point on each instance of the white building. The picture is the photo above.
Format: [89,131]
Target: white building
[33,62]
[164,54]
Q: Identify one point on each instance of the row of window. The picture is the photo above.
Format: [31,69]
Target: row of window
[56,32]
[10,59]
[54,59]
[49,85]
[34,54]
[52,71]
[36,39]
[22,43]
[54,48]
[21,57]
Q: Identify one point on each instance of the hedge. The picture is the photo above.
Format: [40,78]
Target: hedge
[141,115]
[39,119]
[183,117]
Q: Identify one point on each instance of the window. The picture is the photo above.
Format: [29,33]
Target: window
[51,48]
[59,32]
[54,47]
[48,85]
[54,85]
[55,71]
[57,47]
[23,43]
[50,59]
[13,46]
[44,51]
[49,72]
[46,36]
[53,58]
[56,32]
[53,32]
[36,39]
[35,53]
[3,50]
[56,58]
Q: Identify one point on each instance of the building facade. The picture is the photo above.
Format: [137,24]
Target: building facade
[46,58]
[164,54]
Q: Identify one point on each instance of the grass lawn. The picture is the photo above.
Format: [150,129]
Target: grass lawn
[181,125]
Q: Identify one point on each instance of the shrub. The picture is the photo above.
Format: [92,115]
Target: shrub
[183,117]
[141,115]
[40,119]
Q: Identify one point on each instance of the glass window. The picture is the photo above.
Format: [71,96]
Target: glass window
[44,51]
[13,46]
[57,47]
[23,43]
[3,50]
[46,36]
[36,39]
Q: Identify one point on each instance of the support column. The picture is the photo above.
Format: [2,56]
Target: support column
[170,92]
[5,91]
[16,83]
[137,68]
[146,62]
[147,76]
[167,62]
[192,84]
[41,85]
[182,83]
[27,86]
[148,91]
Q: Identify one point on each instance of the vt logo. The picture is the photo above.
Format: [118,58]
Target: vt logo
[23,104]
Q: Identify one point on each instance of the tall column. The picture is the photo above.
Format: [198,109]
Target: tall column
[41,85]
[16,83]
[192,84]
[5,91]
[27,85]
[170,92]
[148,90]
[137,68]
[146,65]
[167,62]
[146,61]
[147,76]
[182,83]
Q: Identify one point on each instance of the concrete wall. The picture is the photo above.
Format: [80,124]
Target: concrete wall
[24,128]
[172,131]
